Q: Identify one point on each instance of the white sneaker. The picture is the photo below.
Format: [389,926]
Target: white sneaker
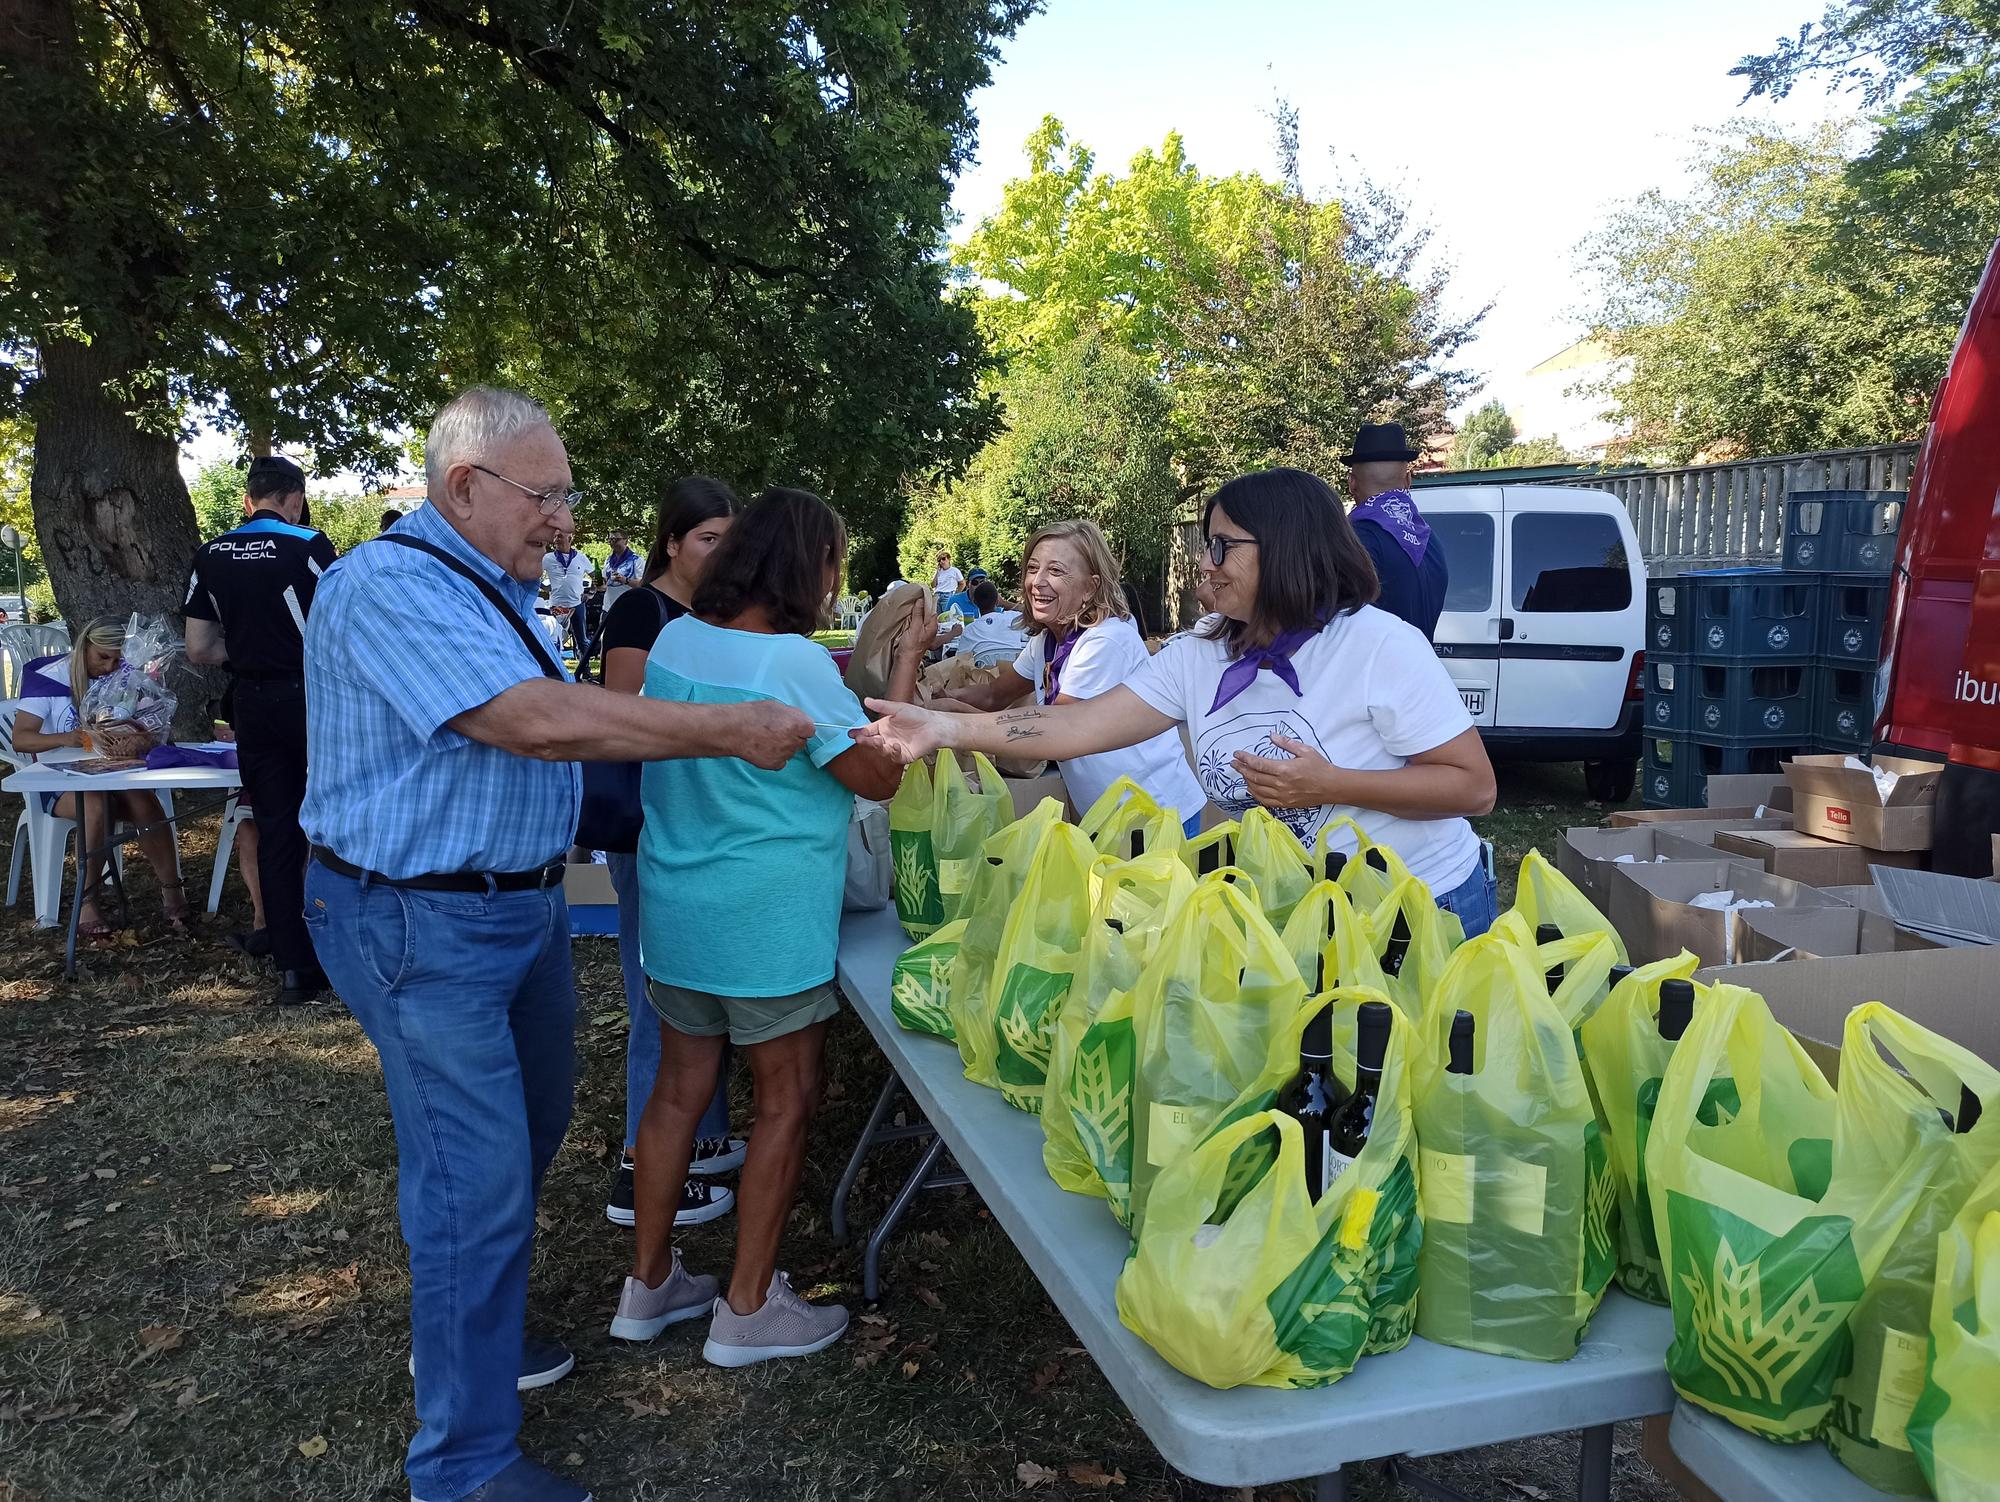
[644,1312]
[714,1155]
[786,1325]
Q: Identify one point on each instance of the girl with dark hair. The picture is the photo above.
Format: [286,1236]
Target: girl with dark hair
[742,878]
[1298,694]
[693,520]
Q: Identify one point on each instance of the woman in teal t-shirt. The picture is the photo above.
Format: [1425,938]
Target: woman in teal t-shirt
[741,873]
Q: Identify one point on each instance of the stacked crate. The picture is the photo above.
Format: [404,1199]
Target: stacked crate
[1748,667]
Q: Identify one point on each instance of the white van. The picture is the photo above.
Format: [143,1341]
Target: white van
[1544,620]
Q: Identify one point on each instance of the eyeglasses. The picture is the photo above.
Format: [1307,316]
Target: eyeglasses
[1218,548]
[550,501]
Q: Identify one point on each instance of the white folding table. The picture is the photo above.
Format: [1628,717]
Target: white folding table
[1739,1466]
[1423,1400]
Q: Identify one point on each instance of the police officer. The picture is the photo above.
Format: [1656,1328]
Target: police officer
[246,608]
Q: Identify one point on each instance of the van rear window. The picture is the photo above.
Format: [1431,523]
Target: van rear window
[1467,540]
[1568,563]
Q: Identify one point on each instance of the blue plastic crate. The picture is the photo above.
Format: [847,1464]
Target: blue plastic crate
[1669,707]
[1842,531]
[1844,707]
[1745,617]
[1669,616]
[1759,703]
[1851,608]
[1668,777]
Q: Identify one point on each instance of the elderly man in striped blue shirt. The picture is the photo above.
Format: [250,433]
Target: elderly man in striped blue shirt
[443,800]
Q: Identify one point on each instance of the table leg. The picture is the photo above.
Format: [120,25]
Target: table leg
[862,1148]
[871,1258]
[1332,1486]
[1593,1470]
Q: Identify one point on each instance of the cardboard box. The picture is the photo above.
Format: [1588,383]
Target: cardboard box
[593,901]
[1632,818]
[1028,792]
[1702,832]
[1836,802]
[1588,856]
[1950,991]
[1811,933]
[1766,790]
[1649,905]
[1798,856]
[1869,897]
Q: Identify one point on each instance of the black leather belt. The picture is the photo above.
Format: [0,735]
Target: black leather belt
[450,881]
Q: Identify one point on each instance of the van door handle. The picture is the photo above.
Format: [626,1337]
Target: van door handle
[1506,628]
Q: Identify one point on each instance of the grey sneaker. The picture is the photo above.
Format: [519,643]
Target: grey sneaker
[786,1326]
[644,1312]
[524,1481]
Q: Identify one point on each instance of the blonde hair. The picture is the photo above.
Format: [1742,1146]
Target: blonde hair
[108,632]
[1107,600]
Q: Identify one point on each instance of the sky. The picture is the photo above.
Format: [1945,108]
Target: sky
[1513,126]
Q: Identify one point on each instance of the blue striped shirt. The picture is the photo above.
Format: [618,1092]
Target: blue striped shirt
[397,645]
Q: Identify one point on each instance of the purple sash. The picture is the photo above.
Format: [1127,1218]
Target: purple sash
[1243,672]
[38,683]
[1057,657]
[188,756]
[1396,513]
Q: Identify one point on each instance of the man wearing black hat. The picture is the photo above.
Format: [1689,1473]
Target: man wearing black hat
[247,604]
[1408,558]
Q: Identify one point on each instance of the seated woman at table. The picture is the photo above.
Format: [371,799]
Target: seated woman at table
[1298,694]
[46,720]
[1082,643]
[741,873]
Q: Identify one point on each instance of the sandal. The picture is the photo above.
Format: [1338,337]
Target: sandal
[93,932]
[179,916]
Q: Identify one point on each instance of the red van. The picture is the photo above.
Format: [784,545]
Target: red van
[1938,687]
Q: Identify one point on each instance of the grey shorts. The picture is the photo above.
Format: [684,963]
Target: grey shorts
[746,1019]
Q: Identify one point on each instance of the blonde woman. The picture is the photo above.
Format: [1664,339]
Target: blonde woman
[47,719]
[1082,643]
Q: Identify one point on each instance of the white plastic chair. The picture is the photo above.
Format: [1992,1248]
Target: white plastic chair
[234,817]
[49,637]
[15,654]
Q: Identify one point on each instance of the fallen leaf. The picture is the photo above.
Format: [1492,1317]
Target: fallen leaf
[971,1377]
[114,1207]
[76,1223]
[1029,1474]
[186,1398]
[640,1408]
[1090,1473]
[1533,1493]
[910,1369]
[1072,1351]
[156,1339]
[930,1298]
[313,1448]
[123,1421]
[222,1168]
[865,1359]
[937,1241]
[104,1173]
[1046,1375]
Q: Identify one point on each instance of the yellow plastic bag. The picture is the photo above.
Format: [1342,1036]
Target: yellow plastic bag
[1325,927]
[1367,873]
[1577,968]
[1513,1178]
[1768,1235]
[1953,1431]
[1271,855]
[1542,894]
[1041,949]
[1251,1282]
[1002,869]
[938,822]
[1625,1058]
[1212,850]
[1135,899]
[1186,1040]
[920,987]
[1414,940]
[1886,1116]
[1127,823]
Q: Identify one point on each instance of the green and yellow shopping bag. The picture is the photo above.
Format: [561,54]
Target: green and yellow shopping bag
[1768,1235]
[1513,1178]
[1542,894]
[1212,850]
[1126,822]
[920,986]
[1892,1111]
[1236,1276]
[1625,1058]
[1414,939]
[1003,867]
[1954,1431]
[938,822]
[1041,948]
[1576,968]
[1135,898]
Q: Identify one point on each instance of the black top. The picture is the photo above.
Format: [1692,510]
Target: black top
[638,617]
[1416,594]
[257,583]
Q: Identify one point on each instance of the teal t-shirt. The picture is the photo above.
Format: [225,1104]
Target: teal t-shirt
[741,870]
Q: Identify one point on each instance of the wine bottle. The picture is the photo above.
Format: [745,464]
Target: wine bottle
[1458,1057]
[1676,1008]
[1335,864]
[1138,843]
[1377,859]
[1398,948]
[1548,933]
[1347,1129]
[1311,1095]
[1618,974]
[1209,860]
[1319,977]
[1969,1108]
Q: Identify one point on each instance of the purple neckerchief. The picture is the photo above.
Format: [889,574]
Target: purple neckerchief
[565,559]
[1243,672]
[1059,655]
[38,683]
[162,757]
[1395,513]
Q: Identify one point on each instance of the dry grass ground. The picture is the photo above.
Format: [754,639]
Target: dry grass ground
[203,1294]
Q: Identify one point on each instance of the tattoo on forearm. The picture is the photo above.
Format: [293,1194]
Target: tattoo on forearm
[1022,733]
[1012,716]
[1021,724]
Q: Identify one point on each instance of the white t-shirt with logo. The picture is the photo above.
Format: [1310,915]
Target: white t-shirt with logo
[1373,694]
[948,580]
[1104,656]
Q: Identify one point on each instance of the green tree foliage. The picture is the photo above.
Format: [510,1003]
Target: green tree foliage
[707,237]
[1482,435]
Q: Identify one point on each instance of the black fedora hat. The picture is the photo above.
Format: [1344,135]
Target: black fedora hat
[1380,442]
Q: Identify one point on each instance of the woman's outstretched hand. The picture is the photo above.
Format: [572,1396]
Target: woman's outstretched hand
[904,731]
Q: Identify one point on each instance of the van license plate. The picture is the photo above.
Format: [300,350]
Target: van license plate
[1475,700]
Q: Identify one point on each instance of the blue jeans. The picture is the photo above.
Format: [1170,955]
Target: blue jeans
[470,1001]
[642,1038]
[1476,900]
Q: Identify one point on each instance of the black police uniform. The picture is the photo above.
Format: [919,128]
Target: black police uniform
[257,583]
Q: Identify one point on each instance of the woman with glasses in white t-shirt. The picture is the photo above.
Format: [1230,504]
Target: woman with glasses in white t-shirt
[1297,693]
[1082,643]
